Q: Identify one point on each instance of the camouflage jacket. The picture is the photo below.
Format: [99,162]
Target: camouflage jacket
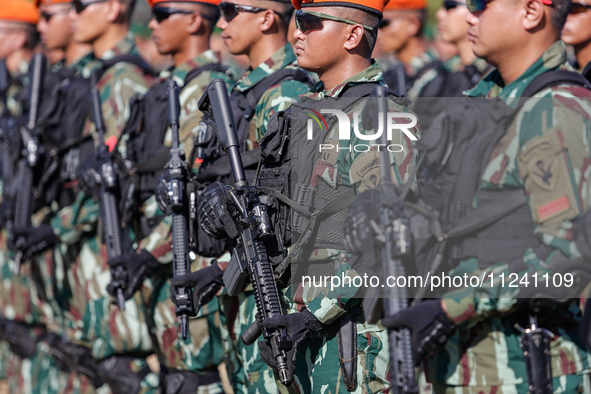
[278,97]
[554,130]
[158,242]
[117,85]
[349,168]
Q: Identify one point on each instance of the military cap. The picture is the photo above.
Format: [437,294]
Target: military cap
[372,6]
[54,1]
[19,11]
[406,5]
[152,3]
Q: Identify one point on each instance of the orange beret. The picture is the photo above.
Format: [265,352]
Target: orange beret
[406,5]
[54,1]
[373,6]
[152,3]
[19,11]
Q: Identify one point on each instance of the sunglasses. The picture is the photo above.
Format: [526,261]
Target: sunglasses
[80,6]
[451,4]
[47,16]
[230,10]
[162,13]
[480,5]
[310,20]
[578,8]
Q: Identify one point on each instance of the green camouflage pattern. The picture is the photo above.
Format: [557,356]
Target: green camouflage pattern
[485,352]
[278,97]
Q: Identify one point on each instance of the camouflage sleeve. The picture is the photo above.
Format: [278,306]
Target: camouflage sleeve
[552,164]
[72,221]
[277,98]
[359,166]
[116,87]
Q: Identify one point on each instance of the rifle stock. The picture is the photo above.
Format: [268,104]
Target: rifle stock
[177,168]
[254,226]
[32,154]
[109,185]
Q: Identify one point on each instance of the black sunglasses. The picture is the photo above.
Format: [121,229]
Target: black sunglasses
[578,8]
[310,20]
[47,16]
[451,4]
[230,10]
[80,6]
[162,13]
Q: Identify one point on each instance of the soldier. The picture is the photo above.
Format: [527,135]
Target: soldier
[335,41]
[401,36]
[95,329]
[257,29]
[181,29]
[535,155]
[577,33]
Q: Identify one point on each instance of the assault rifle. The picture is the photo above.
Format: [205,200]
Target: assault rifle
[109,189]
[177,170]
[32,157]
[395,239]
[249,257]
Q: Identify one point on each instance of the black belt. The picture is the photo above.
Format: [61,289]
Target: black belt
[186,382]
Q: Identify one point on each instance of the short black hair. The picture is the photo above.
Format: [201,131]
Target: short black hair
[365,18]
[559,13]
[32,37]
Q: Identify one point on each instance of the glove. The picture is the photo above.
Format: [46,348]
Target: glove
[31,240]
[299,326]
[205,283]
[136,268]
[358,231]
[429,325]
[216,220]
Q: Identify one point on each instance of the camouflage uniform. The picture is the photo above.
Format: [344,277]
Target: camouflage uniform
[202,351]
[484,354]
[92,320]
[248,371]
[317,365]
[423,66]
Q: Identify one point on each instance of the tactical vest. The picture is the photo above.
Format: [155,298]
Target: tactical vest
[146,154]
[300,212]
[456,151]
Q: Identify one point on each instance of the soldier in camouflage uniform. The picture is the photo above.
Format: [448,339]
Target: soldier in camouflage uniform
[181,29]
[403,45]
[95,329]
[335,41]
[484,355]
[577,32]
[259,33]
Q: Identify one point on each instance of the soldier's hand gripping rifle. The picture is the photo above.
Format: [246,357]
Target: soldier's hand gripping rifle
[249,257]
[32,157]
[395,246]
[177,171]
[109,188]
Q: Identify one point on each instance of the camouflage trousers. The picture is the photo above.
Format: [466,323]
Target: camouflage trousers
[575,384]
[201,351]
[93,320]
[248,371]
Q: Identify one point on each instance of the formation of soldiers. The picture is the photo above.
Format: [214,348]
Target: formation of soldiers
[90,243]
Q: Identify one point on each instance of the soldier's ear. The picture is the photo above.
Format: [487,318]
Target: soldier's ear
[268,22]
[534,14]
[195,23]
[354,37]
[115,11]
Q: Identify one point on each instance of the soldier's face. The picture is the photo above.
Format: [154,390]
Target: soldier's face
[396,29]
[241,33]
[12,38]
[451,22]
[486,26]
[170,34]
[577,30]
[318,50]
[54,27]
[91,23]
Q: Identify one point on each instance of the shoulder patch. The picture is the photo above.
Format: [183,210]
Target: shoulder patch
[553,208]
[363,164]
[541,144]
[544,171]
